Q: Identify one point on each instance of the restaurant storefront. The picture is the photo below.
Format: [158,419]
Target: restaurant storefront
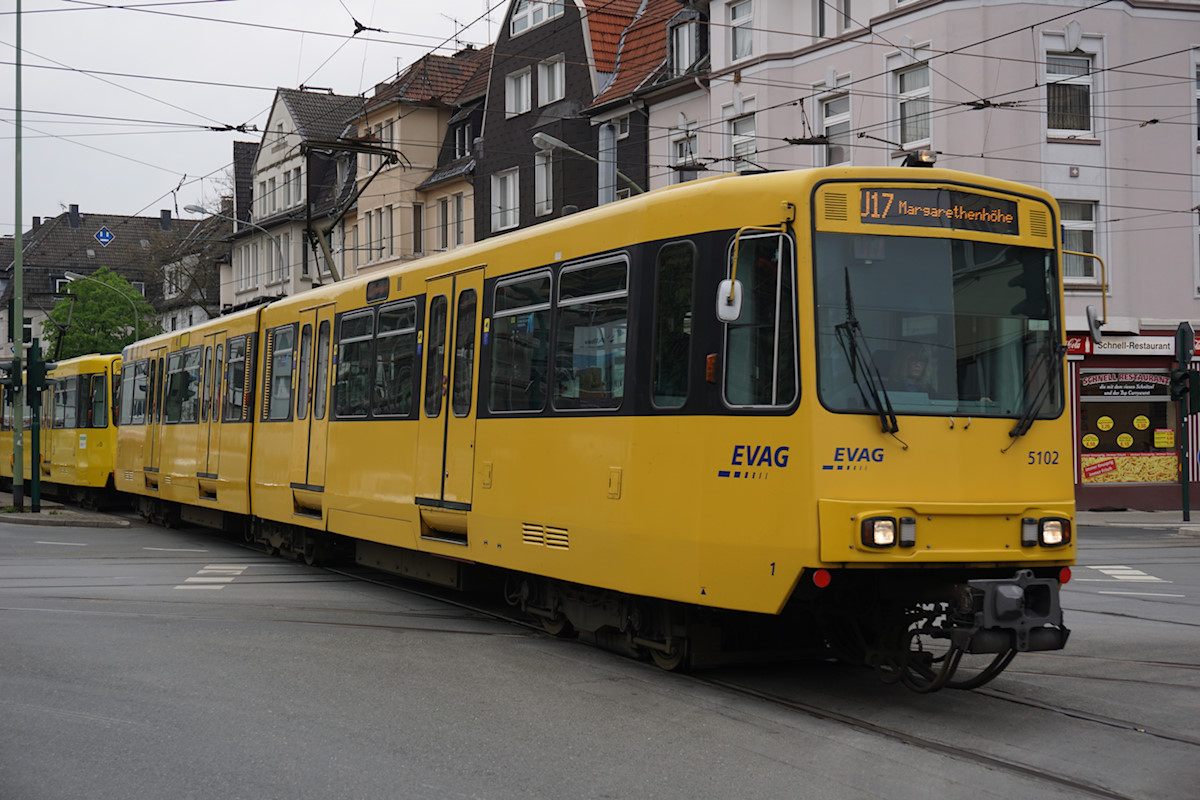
[1127,432]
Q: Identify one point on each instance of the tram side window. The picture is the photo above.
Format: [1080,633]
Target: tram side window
[520,344]
[593,321]
[172,401]
[353,391]
[65,402]
[435,356]
[395,359]
[464,353]
[236,386]
[133,394]
[189,397]
[675,281]
[322,377]
[277,382]
[304,366]
[97,406]
[760,347]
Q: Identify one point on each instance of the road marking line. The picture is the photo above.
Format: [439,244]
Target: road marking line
[1143,594]
[66,544]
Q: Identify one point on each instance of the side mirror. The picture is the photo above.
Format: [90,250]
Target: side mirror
[1093,320]
[729,300]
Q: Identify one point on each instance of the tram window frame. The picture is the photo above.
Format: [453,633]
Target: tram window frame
[435,355]
[395,345]
[321,379]
[507,377]
[98,405]
[302,382]
[277,387]
[462,377]
[352,381]
[742,369]
[586,290]
[218,370]
[134,413]
[239,394]
[206,391]
[189,401]
[173,398]
[674,319]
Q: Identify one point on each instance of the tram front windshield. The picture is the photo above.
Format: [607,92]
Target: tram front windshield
[947,326]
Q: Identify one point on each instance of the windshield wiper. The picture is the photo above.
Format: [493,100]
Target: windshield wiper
[858,355]
[1049,380]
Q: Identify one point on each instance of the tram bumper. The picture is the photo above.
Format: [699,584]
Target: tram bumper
[995,615]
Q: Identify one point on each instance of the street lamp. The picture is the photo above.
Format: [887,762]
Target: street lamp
[75,276]
[545,141]
[278,249]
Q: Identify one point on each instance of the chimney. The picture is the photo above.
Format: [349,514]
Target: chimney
[164,219]
[73,216]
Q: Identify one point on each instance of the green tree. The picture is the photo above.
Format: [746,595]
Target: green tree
[93,319]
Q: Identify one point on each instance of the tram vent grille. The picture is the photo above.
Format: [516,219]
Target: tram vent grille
[1038,224]
[837,206]
[545,536]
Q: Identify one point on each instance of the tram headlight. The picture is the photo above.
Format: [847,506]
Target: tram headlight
[879,532]
[1054,531]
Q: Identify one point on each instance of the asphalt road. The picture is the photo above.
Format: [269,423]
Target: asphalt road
[140,662]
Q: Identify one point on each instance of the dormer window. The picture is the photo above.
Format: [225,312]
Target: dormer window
[531,13]
[684,38]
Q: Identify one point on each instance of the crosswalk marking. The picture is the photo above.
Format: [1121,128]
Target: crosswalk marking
[213,576]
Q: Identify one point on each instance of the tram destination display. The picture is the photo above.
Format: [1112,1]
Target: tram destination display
[938,208]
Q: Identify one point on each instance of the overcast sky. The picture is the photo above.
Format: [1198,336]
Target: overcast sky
[98,135]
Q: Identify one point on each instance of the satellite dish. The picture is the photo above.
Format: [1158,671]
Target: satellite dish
[1093,319]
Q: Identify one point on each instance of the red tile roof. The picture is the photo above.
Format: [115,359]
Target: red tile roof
[605,21]
[643,50]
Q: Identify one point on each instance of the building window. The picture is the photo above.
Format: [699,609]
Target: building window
[835,114]
[744,145]
[912,86]
[543,177]
[516,93]
[531,13]
[683,157]
[418,211]
[551,80]
[505,201]
[460,227]
[1079,234]
[1068,95]
[683,46]
[462,141]
[741,44]
[444,223]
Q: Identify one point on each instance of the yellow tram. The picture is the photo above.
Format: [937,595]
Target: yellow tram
[77,441]
[819,410]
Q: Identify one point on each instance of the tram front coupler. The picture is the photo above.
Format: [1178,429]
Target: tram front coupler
[994,615]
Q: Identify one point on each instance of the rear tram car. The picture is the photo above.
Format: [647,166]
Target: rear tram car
[817,411]
[77,441]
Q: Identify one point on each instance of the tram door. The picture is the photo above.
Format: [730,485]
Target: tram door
[311,414]
[446,444]
[208,443]
[154,409]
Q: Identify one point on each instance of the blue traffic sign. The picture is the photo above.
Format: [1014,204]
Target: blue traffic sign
[104,236]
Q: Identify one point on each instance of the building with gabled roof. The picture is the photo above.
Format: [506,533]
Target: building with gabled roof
[134,247]
[400,215]
[301,178]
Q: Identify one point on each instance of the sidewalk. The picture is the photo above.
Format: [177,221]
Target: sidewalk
[54,513]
